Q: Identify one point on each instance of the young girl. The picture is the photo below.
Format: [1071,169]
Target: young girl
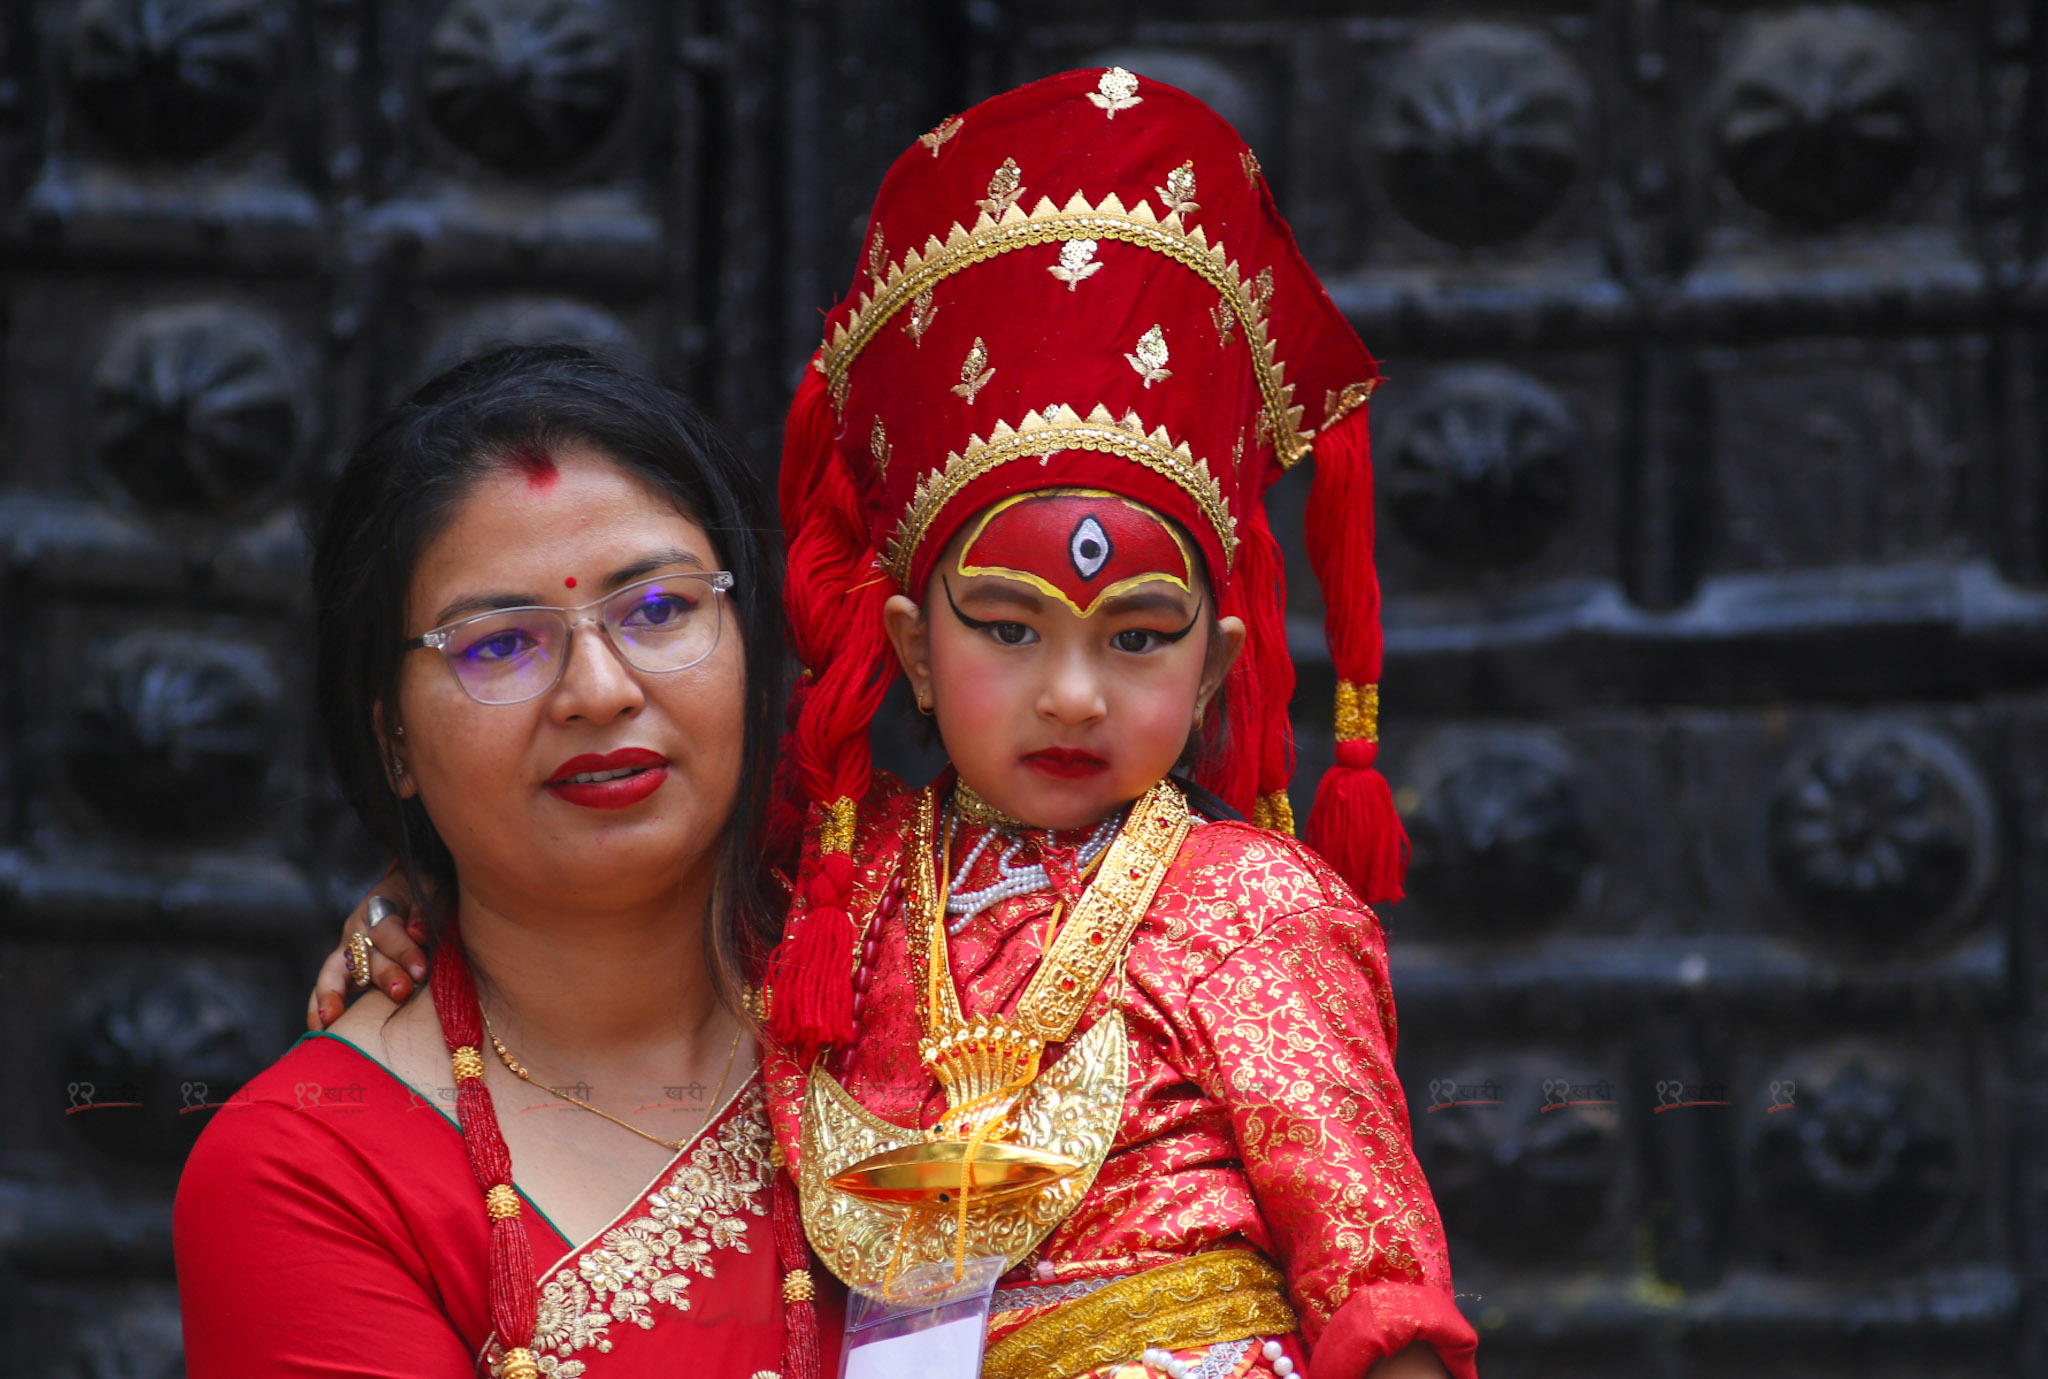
[1136,1046]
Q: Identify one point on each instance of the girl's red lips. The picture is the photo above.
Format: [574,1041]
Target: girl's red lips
[644,773]
[1065,762]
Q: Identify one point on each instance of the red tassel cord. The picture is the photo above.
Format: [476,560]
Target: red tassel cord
[802,1349]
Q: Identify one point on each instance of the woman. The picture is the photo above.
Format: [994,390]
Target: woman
[535,694]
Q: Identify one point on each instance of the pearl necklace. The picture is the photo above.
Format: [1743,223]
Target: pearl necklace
[1014,880]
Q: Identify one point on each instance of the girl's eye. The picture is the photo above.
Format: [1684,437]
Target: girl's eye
[1010,633]
[1136,639]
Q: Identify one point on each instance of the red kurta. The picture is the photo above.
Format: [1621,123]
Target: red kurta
[1262,1108]
[328,1224]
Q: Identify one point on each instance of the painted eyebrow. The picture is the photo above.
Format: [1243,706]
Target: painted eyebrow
[1140,601]
[652,563]
[1020,599]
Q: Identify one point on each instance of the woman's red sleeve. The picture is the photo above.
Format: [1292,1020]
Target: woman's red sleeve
[293,1260]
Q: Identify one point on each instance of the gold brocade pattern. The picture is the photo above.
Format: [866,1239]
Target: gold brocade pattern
[650,1259]
[1226,1295]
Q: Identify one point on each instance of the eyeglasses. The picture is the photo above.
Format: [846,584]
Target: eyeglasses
[663,624]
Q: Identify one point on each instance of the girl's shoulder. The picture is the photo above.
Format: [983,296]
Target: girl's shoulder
[1234,881]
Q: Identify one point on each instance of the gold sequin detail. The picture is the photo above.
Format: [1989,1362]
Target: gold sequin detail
[1003,189]
[878,446]
[467,1063]
[1118,90]
[1225,317]
[1339,403]
[501,1203]
[974,371]
[1077,263]
[836,833]
[1274,811]
[1250,162]
[878,259]
[1178,195]
[943,131]
[797,1286]
[1262,291]
[1225,1295]
[922,309]
[1150,357]
[1358,712]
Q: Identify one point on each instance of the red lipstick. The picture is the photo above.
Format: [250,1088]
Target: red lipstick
[644,771]
[1066,763]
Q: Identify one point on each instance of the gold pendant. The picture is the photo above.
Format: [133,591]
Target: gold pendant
[1063,1125]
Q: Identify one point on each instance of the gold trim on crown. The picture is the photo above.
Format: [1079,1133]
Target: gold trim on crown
[1045,223]
[1046,433]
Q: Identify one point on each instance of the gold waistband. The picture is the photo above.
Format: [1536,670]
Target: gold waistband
[1226,1295]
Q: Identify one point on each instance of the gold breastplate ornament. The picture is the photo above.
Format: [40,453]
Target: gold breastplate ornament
[1018,1145]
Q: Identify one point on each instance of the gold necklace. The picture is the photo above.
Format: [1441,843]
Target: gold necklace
[674,1146]
[976,810]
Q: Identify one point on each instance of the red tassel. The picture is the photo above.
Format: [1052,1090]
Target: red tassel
[1353,823]
[811,970]
[1356,828]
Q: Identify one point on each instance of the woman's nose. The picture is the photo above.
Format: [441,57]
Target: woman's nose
[596,683]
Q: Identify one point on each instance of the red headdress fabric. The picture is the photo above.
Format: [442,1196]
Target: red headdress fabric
[1081,283]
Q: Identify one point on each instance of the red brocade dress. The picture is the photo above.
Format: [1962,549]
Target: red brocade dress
[328,1223]
[1262,1108]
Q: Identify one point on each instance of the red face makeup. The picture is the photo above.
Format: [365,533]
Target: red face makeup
[1079,546]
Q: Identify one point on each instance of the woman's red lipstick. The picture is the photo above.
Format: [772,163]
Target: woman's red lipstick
[645,772]
[1065,762]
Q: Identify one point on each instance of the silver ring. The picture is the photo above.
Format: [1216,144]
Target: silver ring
[380,910]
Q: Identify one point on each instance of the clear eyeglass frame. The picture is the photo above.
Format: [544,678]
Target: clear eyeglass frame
[446,638]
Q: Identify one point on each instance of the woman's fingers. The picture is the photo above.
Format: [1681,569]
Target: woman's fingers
[328,1000]
[392,939]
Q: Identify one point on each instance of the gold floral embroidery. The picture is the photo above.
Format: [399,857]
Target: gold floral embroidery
[1250,161]
[1178,195]
[878,262]
[1004,187]
[1150,359]
[945,130]
[1225,317]
[1262,291]
[974,371]
[652,1258]
[1118,90]
[878,446]
[923,308]
[1077,263]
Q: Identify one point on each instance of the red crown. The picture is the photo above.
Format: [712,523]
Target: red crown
[1085,283]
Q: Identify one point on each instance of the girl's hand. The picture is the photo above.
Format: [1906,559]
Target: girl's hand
[397,961]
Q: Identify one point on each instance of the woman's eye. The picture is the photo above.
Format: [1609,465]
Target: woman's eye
[499,646]
[1010,633]
[1135,639]
[660,610]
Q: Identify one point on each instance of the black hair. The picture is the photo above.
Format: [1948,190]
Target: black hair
[403,484]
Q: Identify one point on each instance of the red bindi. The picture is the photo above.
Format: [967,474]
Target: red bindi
[569,583]
[538,467]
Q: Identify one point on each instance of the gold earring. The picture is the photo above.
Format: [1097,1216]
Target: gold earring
[923,707]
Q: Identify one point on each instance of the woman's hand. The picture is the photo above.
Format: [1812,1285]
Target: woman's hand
[397,962]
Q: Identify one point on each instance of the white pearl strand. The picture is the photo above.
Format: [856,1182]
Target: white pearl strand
[1015,880]
[1159,1360]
